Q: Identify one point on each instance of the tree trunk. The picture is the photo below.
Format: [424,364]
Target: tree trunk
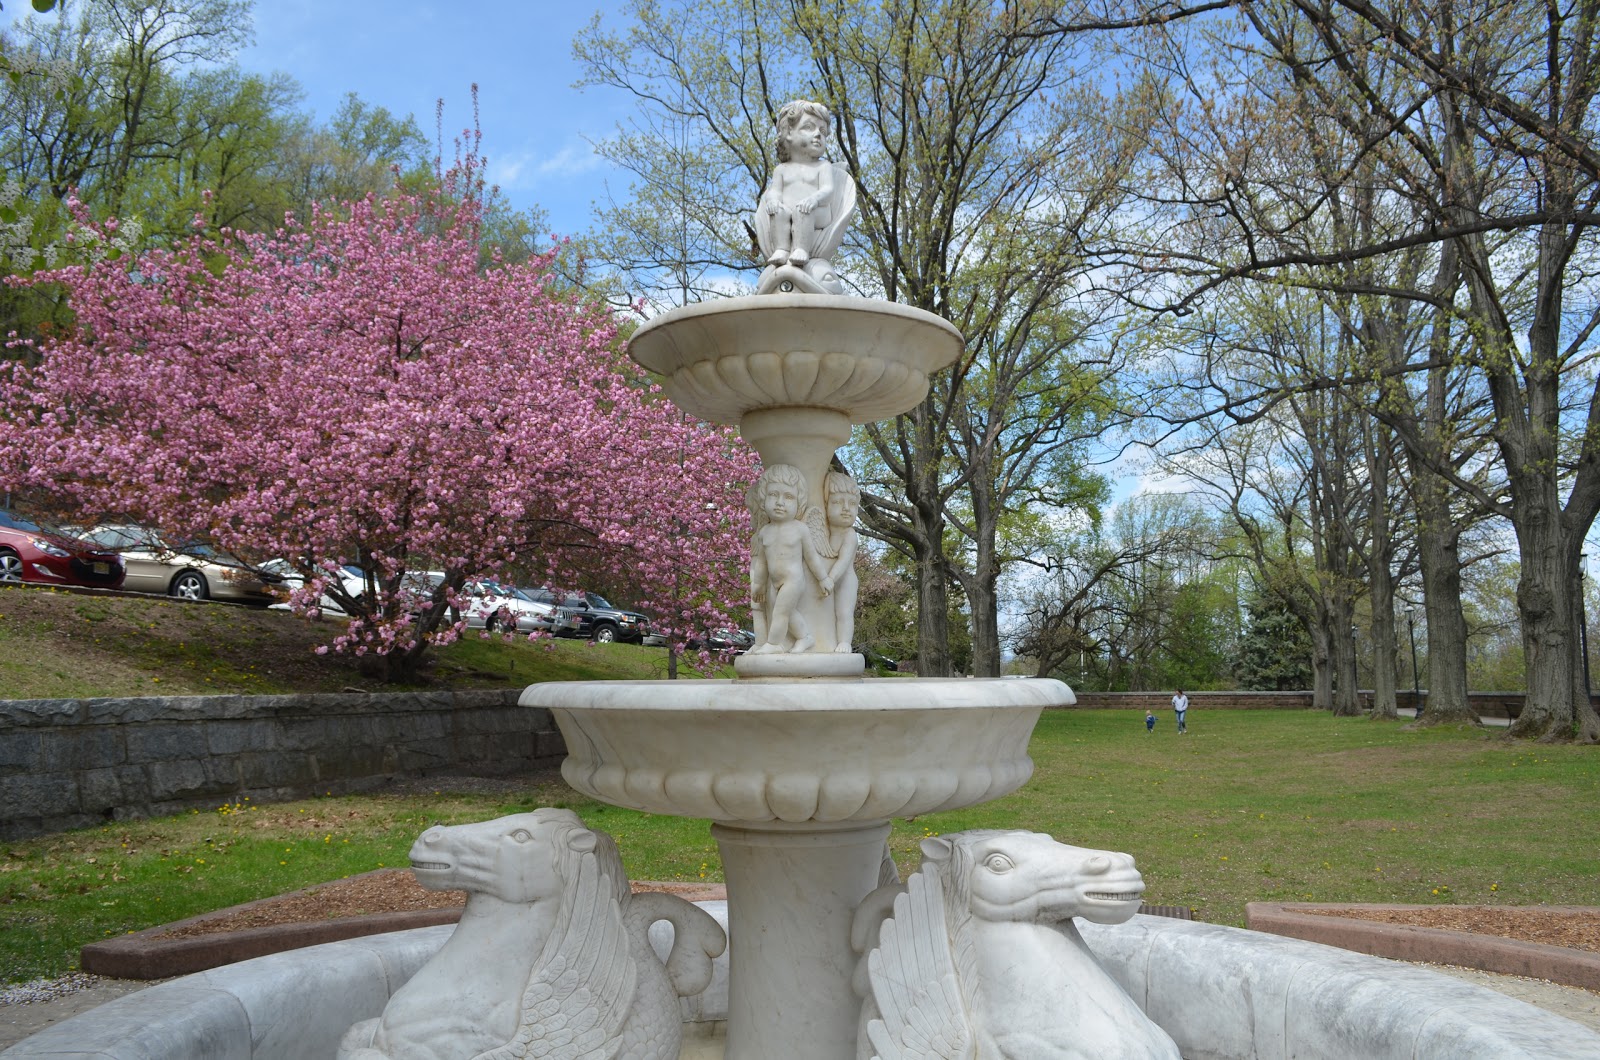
[1438,541]
[1380,574]
[982,585]
[1438,555]
[1553,710]
[1321,669]
[933,614]
[1342,641]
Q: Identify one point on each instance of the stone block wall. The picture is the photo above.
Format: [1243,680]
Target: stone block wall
[73,763]
[1487,704]
[1159,701]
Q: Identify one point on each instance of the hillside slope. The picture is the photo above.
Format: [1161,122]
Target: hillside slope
[57,644]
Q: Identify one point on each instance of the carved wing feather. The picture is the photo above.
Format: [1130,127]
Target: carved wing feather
[817,522]
[758,513]
[581,990]
[914,980]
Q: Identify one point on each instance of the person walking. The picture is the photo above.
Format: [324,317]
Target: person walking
[1180,707]
[1149,721]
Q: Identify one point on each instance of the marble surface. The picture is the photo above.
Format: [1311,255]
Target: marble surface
[285,1007]
[979,955]
[551,956]
[795,372]
[862,358]
[808,202]
[794,752]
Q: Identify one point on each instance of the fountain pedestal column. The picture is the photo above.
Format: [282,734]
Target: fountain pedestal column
[799,779]
[789,936]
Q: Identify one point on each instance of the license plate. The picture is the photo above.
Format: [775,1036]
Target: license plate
[102,568]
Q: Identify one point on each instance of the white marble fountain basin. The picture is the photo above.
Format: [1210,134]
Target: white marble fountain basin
[797,752]
[1220,992]
[860,357]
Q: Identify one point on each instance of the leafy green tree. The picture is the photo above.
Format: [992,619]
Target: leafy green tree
[230,134]
[359,152]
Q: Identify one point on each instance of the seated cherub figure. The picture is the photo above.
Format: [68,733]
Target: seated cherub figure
[781,552]
[808,200]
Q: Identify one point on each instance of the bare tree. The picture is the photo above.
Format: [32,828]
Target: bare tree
[1478,121]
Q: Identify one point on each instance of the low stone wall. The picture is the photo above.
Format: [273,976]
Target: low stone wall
[1487,704]
[73,763]
[1159,701]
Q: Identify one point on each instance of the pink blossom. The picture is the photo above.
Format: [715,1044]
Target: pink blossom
[357,390]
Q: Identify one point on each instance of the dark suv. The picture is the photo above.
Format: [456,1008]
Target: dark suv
[598,618]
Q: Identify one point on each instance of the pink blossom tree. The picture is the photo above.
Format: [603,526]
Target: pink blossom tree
[359,390]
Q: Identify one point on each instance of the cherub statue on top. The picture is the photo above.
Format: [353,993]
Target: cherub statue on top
[801,217]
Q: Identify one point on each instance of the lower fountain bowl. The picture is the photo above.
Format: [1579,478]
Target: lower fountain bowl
[798,752]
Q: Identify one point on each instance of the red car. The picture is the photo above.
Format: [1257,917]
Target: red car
[30,553]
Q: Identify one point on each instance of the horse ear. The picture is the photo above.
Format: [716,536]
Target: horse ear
[583,841]
[936,849]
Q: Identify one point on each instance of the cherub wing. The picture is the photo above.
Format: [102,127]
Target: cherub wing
[845,184]
[582,986]
[758,512]
[817,521]
[913,978]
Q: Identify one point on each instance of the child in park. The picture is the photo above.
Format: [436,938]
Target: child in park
[843,499]
[798,204]
[781,553]
[1149,721]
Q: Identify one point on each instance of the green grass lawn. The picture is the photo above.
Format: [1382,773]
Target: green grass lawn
[1251,805]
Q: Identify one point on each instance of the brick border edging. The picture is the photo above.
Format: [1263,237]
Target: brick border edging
[148,955]
[1406,942]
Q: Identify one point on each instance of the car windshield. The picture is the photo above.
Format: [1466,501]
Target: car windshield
[122,537]
[9,520]
[596,600]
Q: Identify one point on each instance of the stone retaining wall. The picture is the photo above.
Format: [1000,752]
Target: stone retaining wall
[73,763]
[1487,704]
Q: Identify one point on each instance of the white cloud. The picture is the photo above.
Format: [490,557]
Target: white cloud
[528,170]
[570,161]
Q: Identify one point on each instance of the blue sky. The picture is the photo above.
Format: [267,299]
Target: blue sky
[407,54]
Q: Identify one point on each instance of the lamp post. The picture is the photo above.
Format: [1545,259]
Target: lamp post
[1416,682]
[1583,620]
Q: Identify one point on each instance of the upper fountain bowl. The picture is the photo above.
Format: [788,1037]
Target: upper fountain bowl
[797,752]
[867,359]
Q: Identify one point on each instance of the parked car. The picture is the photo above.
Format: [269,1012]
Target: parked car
[188,571]
[353,578]
[489,602]
[30,553]
[597,618]
[877,660]
[725,639]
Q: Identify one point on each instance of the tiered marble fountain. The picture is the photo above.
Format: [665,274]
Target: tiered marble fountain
[801,763]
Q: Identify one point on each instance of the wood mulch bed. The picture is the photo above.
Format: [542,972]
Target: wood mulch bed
[1579,930]
[396,890]
[385,891]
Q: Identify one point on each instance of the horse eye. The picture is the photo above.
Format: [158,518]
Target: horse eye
[997,863]
[522,835]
